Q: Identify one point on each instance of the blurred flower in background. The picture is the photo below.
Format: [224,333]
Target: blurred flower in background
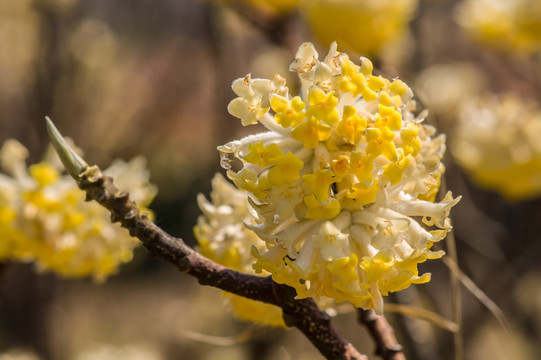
[335,181]
[277,7]
[80,63]
[497,143]
[361,27]
[509,25]
[444,87]
[45,219]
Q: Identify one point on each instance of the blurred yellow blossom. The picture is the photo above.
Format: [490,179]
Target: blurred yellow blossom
[19,41]
[45,219]
[444,87]
[273,7]
[276,6]
[496,142]
[223,237]
[336,197]
[361,26]
[509,25]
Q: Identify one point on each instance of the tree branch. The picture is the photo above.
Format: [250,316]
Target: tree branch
[303,314]
[3,270]
[382,332]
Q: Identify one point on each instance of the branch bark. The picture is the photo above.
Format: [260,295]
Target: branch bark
[382,332]
[303,314]
[3,270]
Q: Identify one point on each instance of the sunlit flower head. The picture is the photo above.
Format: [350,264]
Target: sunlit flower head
[45,219]
[497,143]
[224,238]
[361,26]
[336,182]
[509,25]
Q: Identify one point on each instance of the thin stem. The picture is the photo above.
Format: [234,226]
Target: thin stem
[3,270]
[456,299]
[478,293]
[421,313]
[382,332]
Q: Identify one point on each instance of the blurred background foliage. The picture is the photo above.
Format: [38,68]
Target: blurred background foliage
[152,78]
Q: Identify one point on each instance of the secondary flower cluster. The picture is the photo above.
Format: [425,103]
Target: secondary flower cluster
[44,217]
[496,142]
[510,25]
[223,237]
[337,183]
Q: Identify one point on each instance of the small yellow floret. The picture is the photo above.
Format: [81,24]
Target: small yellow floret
[319,210]
[355,82]
[410,139]
[399,88]
[380,142]
[375,266]
[362,166]
[376,83]
[319,183]
[394,170]
[388,116]
[350,128]
[340,165]
[311,132]
[361,195]
[286,170]
[323,106]
[245,179]
[288,112]
[262,155]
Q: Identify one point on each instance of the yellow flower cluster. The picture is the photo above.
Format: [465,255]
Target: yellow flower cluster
[336,182]
[44,217]
[496,142]
[223,237]
[363,26]
[509,25]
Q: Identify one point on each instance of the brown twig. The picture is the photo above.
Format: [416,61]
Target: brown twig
[303,314]
[3,268]
[381,331]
